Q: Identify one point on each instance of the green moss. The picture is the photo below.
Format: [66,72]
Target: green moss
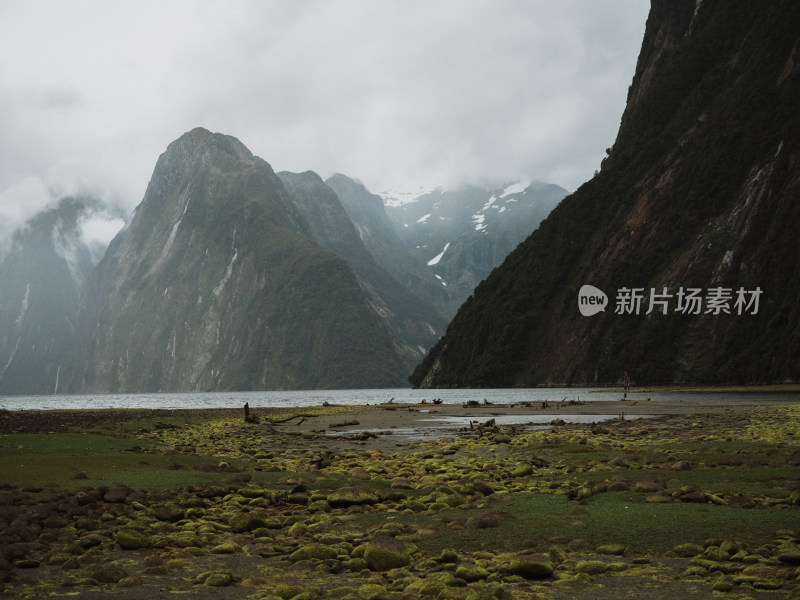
[529,569]
[313,552]
[216,578]
[386,553]
[591,567]
[132,539]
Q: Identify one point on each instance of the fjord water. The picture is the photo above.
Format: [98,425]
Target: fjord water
[298,398]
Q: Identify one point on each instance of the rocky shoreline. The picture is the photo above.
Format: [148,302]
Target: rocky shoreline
[695,500]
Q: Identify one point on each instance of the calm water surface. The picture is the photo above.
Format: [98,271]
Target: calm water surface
[342,397]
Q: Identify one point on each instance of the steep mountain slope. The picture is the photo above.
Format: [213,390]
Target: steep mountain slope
[217,283]
[380,236]
[42,277]
[416,324]
[463,234]
[699,192]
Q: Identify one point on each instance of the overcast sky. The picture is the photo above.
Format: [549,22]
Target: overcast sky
[396,93]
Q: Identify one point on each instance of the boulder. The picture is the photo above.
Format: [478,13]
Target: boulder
[384,553]
[132,539]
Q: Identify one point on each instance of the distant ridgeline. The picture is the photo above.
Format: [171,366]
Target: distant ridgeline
[227,276]
[687,235]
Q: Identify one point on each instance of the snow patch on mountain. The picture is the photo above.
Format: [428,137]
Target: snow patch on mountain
[516,188]
[435,260]
[397,197]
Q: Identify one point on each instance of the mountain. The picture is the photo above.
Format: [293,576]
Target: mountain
[415,323]
[43,275]
[219,283]
[462,234]
[380,236]
[697,198]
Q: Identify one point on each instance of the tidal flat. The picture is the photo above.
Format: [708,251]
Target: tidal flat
[669,499]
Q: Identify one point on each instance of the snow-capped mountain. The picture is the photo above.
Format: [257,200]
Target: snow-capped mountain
[463,234]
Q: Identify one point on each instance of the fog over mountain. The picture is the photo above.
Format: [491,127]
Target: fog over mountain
[397,94]
[43,273]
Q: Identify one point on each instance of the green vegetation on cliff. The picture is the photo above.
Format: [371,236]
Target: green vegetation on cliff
[698,191]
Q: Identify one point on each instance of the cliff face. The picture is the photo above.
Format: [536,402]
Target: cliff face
[218,283]
[381,236]
[699,192]
[415,324]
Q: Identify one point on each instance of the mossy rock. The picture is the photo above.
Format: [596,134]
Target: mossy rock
[573,580]
[390,529]
[169,513]
[392,495]
[106,573]
[355,565]
[688,550]
[591,567]
[694,572]
[229,547]
[612,549]
[353,496]
[331,539]
[480,593]
[245,522]
[373,591]
[263,532]
[454,593]
[522,470]
[384,553]
[453,500]
[789,558]
[132,539]
[430,585]
[181,539]
[722,585]
[529,569]
[287,591]
[216,578]
[557,554]
[448,555]
[415,505]
[716,553]
[313,552]
[767,584]
[471,573]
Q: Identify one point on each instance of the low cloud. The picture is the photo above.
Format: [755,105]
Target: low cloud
[98,229]
[396,93]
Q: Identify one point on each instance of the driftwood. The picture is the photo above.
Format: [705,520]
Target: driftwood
[247,416]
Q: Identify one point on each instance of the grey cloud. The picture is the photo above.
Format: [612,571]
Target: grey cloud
[396,93]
